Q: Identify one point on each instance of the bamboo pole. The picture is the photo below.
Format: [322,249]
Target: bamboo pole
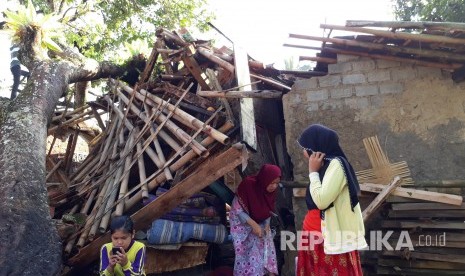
[121,167]
[72,143]
[319,59]
[111,182]
[50,173]
[176,166]
[92,156]
[399,35]
[103,157]
[60,173]
[185,117]
[262,94]
[158,149]
[77,110]
[303,47]
[97,117]
[145,76]
[449,66]
[69,121]
[84,210]
[210,56]
[124,183]
[172,37]
[272,82]
[142,175]
[388,48]
[51,146]
[160,44]
[407,24]
[90,219]
[174,129]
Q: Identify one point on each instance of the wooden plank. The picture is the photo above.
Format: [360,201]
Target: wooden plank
[319,59]
[393,49]
[398,35]
[453,258]
[447,235]
[194,67]
[427,214]
[209,171]
[145,76]
[262,94]
[406,24]
[374,205]
[383,270]
[420,264]
[444,65]
[248,131]
[425,206]
[413,193]
[423,224]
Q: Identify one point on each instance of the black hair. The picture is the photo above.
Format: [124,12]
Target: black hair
[123,223]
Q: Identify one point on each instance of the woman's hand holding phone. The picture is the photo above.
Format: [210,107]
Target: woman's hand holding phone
[315,161]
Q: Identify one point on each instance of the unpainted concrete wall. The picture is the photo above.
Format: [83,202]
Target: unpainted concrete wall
[418,114]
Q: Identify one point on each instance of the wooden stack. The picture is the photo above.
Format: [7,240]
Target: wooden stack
[437,234]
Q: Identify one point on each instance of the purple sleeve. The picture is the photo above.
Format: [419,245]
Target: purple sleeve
[104,261]
[137,265]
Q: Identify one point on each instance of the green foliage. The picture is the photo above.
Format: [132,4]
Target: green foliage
[430,10]
[26,17]
[103,26]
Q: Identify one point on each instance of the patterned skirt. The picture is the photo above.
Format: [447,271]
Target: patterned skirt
[314,261]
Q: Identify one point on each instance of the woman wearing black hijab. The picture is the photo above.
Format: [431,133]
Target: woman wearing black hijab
[334,221]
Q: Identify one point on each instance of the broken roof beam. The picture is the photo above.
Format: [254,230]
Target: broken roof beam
[167,87]
[194,68]
[271,82]
[209,171]
[262,94]
[398,35]
[407,24]
[389,48]
[303,74]
[319,59]
[448,66]
[212,57]
[303,47]
[414,193]
[145,76]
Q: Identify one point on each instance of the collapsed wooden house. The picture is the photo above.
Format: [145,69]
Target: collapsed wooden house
[178,129]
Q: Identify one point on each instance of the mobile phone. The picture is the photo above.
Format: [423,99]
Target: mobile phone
[115,250]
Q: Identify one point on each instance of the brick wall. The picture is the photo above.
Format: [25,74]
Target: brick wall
[416,112]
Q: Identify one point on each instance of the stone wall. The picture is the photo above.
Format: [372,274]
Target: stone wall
[418,114]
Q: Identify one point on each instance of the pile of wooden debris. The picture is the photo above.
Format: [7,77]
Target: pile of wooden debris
[173,128]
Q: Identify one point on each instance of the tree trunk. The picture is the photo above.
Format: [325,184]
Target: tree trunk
[29,242]
[80,93]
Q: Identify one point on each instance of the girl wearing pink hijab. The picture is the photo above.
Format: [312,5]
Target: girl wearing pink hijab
[250,223]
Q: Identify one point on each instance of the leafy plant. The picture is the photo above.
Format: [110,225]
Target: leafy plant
[26,18]
[430,10]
